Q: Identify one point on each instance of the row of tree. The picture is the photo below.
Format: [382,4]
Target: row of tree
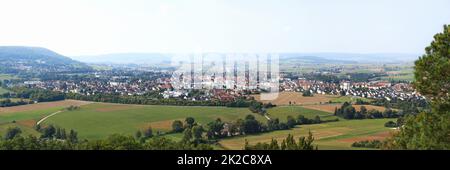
[10,103]
[368,144]
[52,132]
[408,106]
[150,99]
[33,95]
[347,111]
[249,125]
[113,142]
[304,143]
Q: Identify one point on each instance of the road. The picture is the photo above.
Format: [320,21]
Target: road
[46,117]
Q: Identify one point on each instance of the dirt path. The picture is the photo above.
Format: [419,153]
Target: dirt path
[267,117]
[46,117]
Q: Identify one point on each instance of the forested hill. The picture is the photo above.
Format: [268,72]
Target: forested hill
[15,59]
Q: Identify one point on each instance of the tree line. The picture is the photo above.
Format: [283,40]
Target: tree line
[347,111]
[31,94]
[304,143]
[9,103]
[55,139]
[148,99]
[368,144]
[218,129]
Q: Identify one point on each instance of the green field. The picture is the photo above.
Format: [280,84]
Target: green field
[282,112]
[351,99]
[99,120]
[403,77]
[27,115]
[329,136]
[2,90]
[7,77]
[25,129]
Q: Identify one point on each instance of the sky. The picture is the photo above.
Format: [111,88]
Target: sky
[91,27]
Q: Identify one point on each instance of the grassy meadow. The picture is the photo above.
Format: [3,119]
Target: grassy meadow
[99,120]
[329,136]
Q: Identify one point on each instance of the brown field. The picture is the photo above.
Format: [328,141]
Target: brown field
[28,123]
[44,105]
[330,107]
[160,125]
[297,99]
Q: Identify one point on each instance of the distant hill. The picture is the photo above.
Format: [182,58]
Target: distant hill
[308,58]
[126,58]
[294,58]
[353,57]
[22,59]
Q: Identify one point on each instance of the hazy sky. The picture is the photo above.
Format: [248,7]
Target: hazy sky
[84,27]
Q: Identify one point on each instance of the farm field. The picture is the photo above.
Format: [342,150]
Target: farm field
[40,106]
[7,77]
[96,120]
[99,120]
[328,136]
[26,116]
[26,130]
[296,98]
[281,112]
[350,99]
[330,107]
[2,90]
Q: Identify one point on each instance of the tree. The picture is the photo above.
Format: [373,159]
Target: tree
[301,120]
[148,133]
[429,130]
[73,136]
[37,127]
[304,143]
[58,133]
[215,129]
[432,72]
[307,93]
[197,132]
[11,133]
[233,129]
[273,124]
[63,134]
[424,131]
[274,145]
[119,142]
[49,132]
[138,134]
[190,122]
[317,120]
[177,126]
[256,107]
[187,135]
[390,124]
[291,122]
[363,109]
[251,125]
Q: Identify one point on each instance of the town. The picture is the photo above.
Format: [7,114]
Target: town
[137,83]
